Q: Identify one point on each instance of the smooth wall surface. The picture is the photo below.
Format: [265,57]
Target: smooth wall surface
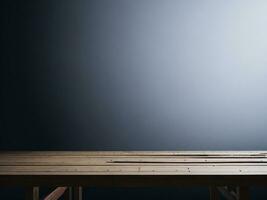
[134,75]
[139,74]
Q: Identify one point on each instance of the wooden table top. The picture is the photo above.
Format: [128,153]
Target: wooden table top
[133,163]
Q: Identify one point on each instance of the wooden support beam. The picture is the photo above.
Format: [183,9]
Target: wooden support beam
[77,193]
[32,193]
[243,193]
[68,194]
[214,194]
[227,194]
[56,194]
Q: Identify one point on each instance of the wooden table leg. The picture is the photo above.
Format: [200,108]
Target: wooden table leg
[214,194]
[243,193]
[32,193]
[56,194]
[68,194]
[77,192]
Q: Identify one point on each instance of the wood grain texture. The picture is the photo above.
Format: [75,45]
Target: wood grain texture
[81,166]
[133,163]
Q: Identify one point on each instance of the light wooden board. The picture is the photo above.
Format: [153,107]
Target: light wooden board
[134,163]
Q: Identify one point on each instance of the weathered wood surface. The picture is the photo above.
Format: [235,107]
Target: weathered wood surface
[133,168]
[134,163]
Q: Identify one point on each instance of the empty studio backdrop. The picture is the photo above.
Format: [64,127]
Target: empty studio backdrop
[134,75]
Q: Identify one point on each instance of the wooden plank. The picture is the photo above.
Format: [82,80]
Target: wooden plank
[56,194]
[122,161]
[32,193]
[67,165]
[134,170]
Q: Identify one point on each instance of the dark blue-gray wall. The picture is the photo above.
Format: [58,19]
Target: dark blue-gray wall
[134,75]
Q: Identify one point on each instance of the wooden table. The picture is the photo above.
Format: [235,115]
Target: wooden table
[229,173]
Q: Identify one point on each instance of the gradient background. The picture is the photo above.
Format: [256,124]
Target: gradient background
[134,75]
